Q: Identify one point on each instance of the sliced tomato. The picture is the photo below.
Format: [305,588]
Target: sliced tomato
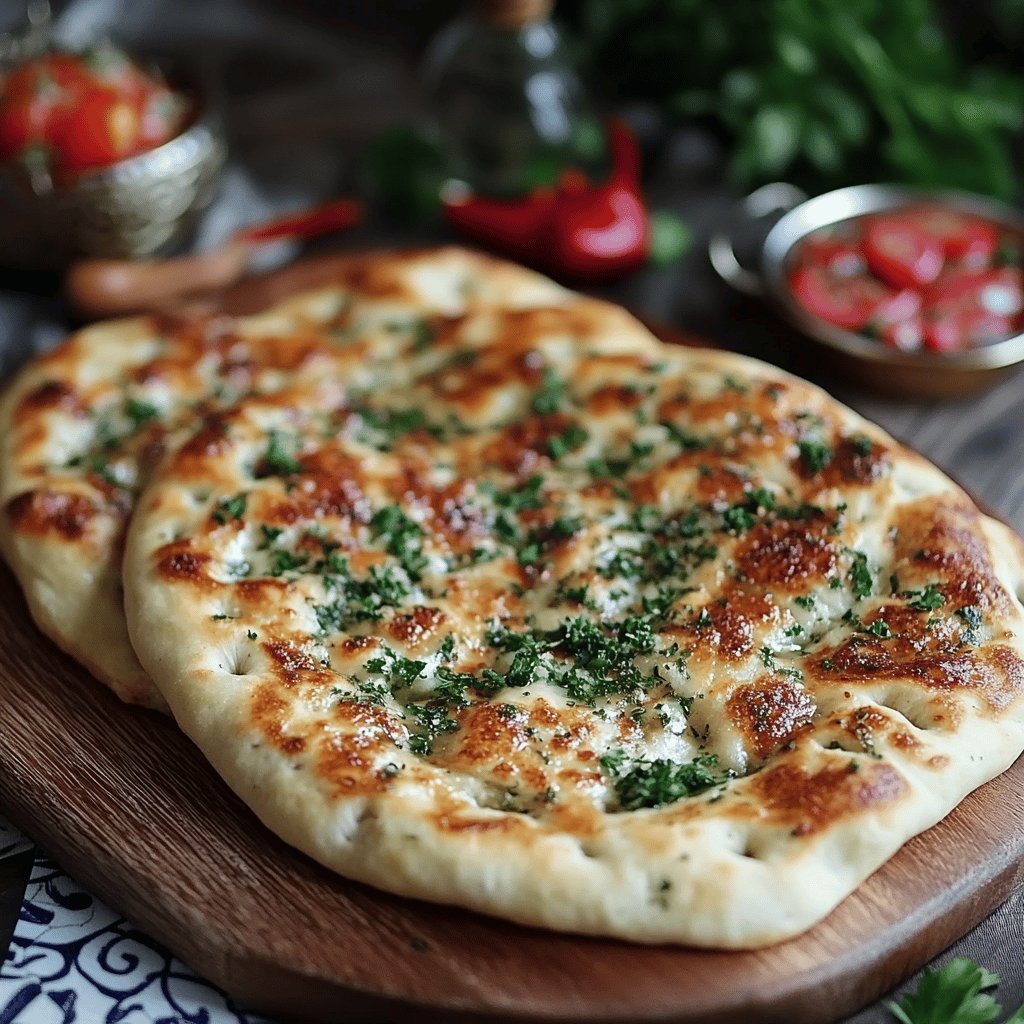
[999,291]
[900,252]
[850,303]
[959,329]
[973,307]
[906,335]
[965,239]
[103,129]
[841,257]
[902,305]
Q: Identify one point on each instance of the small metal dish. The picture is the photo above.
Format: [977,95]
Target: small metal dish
[917,374]
[141,206]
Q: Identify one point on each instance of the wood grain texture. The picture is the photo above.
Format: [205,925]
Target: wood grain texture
[131,809]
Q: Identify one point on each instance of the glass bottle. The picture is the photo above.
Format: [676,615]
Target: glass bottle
[508,110]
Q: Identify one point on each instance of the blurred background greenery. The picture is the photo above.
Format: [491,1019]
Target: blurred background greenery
[819,92]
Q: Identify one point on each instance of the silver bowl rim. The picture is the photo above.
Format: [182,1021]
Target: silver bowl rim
[856,200]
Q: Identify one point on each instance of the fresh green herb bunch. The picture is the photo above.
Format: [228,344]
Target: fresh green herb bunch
[822,92]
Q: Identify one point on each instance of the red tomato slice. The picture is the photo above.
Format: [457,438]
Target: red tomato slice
[963,238]
[901,305]
[955,330]
[839,256]
[849,303]
[999,291]
[906,335]
[101,130]
[972,307]
[900,252]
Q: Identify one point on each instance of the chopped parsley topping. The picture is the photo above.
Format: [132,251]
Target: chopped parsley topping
[572,438]
[688,442]
[862,582]
[401,672]
[973,621]
[140,412]
[661,781]
[742,517]
[862,445]
[549,395]
[380,428]
[360,600]
[816,455]
[279,457]
[285,561]
[230,508]
[926,600]
[402,537]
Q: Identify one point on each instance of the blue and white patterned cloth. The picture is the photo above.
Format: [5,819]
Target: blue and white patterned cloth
[73,960]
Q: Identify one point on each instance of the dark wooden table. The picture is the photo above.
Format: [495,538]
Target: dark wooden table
[302,98]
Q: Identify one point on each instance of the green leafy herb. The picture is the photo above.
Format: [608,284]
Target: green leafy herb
[816,455]
[285,561]
[140,412]
[279,457]
[954,994]
[230,508]
[573,437]
[926,600]
[661,781]
[361,599]
[973,621]
[670,238]
[862,581]
[862,445]
[549,396]
[819,93]
[403,538]
[742,517]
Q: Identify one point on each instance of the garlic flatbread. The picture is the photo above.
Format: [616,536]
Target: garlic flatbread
[596,634]
[82,427]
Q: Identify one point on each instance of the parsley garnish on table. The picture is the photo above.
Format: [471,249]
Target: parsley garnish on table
[954,994]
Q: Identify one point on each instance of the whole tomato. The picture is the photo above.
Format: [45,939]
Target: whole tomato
[103,128]
[35,97]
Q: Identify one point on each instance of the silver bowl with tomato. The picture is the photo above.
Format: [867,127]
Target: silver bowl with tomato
[912,291]
[101,158]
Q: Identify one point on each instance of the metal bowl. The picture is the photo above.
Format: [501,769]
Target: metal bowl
[921,374]
[141,206]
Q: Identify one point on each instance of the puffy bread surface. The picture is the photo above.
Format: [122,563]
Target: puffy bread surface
[82,427]
[553,621]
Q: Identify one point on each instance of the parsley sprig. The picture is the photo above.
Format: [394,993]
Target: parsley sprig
[954,994]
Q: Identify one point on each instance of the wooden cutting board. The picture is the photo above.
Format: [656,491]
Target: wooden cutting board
[130,808]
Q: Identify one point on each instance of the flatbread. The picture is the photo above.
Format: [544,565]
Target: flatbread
[82,426]
[599,634]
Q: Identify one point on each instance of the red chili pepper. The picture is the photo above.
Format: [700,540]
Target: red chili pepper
[515,227]
[601,232]
[582,231]
[320,220]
